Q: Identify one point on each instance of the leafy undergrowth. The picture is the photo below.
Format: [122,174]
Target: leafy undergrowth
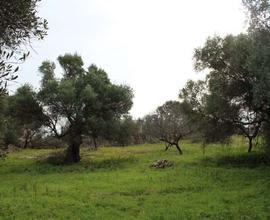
[118,183]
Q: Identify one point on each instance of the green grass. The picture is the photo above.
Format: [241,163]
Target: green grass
[118,183]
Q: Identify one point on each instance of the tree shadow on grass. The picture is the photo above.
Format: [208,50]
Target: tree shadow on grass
[58,159]
[53,164]
[249,160]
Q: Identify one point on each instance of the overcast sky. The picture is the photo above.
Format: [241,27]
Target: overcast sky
[147,44]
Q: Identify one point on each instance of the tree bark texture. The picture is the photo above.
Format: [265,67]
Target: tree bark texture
[73,150]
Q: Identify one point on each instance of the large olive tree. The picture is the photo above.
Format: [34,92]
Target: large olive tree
[82,102]
[237,82]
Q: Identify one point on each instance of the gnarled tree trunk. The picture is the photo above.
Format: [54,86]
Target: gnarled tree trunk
[250,144]
[167,146]
[170,144]
[178,148]
[95,141]
[73,151]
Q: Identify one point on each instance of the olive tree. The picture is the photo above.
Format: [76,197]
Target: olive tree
[236,92]
[24,108]
[169,124]
[81,103]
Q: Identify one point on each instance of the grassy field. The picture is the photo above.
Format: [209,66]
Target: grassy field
[118,183]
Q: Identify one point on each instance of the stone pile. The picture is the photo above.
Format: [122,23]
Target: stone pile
[161,164]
